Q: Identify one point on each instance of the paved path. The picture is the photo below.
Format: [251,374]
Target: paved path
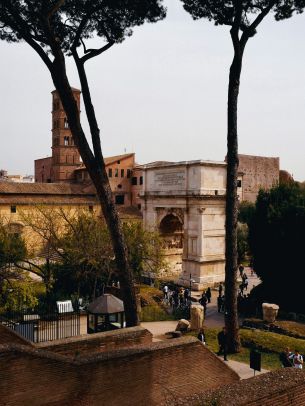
[243,370]
[213,319]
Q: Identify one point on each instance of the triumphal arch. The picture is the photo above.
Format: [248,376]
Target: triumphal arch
[185,202]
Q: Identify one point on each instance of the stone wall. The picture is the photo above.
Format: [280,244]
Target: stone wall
[258,172]
[42,169]
[100,342]
[147,376]
[284,387]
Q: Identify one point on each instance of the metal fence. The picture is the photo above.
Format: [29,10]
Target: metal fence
[39,326]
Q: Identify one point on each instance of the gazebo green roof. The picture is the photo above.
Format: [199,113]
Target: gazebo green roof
[106,304]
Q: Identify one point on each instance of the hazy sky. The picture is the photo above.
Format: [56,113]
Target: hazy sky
[162,93]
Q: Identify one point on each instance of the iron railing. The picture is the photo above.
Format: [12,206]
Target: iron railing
[47,325]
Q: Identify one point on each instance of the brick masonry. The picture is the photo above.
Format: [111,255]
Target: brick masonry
[146,375]
[284,387]
[100,342]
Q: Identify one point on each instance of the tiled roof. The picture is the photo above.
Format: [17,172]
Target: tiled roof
[129,213]
[48,199]
[72,88]
[41,188]
[111,159]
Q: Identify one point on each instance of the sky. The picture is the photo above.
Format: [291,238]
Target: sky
[162,94]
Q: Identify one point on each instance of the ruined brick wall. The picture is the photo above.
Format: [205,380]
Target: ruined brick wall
[283,387]
[100,342]
[258,173]
[43,170]
[138,376]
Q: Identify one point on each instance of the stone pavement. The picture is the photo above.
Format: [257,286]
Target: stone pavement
[213,319]
[243,370]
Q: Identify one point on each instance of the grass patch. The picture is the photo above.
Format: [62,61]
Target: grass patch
[293,326]
[270,345]
[150,295]
[270,361]
[270,342]
[155,313]
[153,310]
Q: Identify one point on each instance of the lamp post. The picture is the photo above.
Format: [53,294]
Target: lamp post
[190,305]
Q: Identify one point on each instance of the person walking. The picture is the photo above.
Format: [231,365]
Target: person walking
[220,289]
[223,343]
[204,301]
[165,292]
[297,360]
[186,296]
[181,296]
[246,283]
[286,358]
[219,304]
[208,294]
[201,336]
[241,270]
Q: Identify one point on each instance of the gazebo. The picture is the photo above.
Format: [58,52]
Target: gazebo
[105,313]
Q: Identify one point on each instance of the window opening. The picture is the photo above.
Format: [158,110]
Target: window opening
[119,199]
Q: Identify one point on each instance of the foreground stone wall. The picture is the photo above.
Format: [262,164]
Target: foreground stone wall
[100,342]
[149,375]
[284,387]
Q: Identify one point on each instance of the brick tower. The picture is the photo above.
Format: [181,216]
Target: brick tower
[65,156]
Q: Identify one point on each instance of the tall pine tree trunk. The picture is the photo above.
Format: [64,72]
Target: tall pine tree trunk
[96,169]
[231,317]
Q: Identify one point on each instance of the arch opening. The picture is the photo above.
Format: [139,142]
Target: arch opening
[171,230]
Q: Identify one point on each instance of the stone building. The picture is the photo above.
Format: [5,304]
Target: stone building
[65,166]
[125,178]
[185,201]
[60,167]
[21,200]
[255,173]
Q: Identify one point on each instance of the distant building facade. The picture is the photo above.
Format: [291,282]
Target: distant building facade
[255,173]
[5,177]
[60,168]
[185,202]
[65,166]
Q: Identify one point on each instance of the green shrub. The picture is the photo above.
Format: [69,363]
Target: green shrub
[270,342]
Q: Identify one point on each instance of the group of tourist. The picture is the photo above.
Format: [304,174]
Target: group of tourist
[179,296]
[291,359]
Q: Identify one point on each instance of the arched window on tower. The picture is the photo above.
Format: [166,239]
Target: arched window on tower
[66,124]
[66,141]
